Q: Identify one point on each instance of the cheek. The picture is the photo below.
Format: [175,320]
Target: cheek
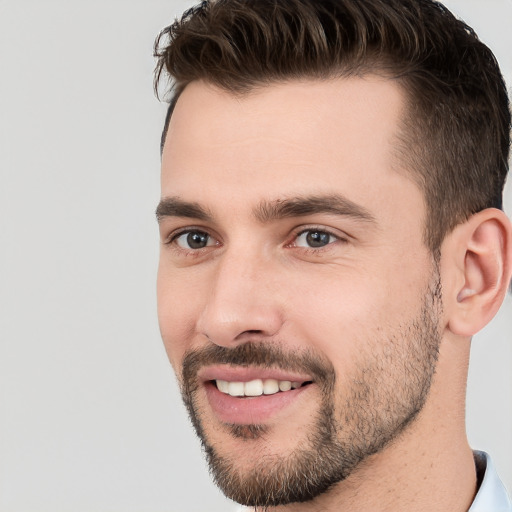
[327,311]
[176,315]
[347,312]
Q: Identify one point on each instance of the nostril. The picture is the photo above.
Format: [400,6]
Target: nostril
[250,335]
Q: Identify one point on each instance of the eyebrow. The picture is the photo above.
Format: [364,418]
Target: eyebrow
[268,211]
[301,206]
[176,207]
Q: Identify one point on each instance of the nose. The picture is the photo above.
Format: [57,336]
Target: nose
[243,301]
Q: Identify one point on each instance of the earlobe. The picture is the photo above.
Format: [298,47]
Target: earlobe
[483,252]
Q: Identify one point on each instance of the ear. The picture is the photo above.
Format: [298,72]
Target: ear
[477,260]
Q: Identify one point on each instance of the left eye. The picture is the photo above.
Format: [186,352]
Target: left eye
[314,238]
[194,240]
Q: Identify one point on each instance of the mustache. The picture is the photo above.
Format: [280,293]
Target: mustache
[264,355]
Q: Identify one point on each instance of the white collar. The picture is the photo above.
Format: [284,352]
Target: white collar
[491,496]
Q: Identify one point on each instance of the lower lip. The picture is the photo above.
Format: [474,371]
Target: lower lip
[250,410]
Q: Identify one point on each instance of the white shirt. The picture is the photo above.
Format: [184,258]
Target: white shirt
[492,496]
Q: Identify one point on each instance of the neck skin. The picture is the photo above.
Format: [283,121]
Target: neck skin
[429,467]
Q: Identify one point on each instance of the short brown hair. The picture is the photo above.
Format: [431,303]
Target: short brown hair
[455,137]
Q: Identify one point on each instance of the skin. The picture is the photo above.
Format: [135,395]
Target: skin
[258,281]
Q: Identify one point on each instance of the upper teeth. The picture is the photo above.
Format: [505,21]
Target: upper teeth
[255,387]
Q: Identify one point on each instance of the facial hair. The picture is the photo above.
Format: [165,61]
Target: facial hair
[387,389]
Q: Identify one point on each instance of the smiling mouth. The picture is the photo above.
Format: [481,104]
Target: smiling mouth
[257,387]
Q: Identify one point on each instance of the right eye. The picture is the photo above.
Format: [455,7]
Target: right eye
[193,240]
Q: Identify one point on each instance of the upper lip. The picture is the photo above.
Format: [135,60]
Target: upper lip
[246,374]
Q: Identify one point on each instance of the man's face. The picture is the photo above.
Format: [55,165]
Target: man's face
[297,301]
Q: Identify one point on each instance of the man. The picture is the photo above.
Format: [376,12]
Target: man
[332,237]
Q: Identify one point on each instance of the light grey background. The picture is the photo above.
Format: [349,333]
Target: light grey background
[90,417]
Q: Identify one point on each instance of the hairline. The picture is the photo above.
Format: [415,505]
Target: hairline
[382,66]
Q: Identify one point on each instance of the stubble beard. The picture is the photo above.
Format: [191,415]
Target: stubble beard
[388,388]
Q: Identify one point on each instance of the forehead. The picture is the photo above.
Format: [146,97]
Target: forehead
[290,139]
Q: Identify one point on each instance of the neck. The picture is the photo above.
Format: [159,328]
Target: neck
[430,476]
[429,467]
